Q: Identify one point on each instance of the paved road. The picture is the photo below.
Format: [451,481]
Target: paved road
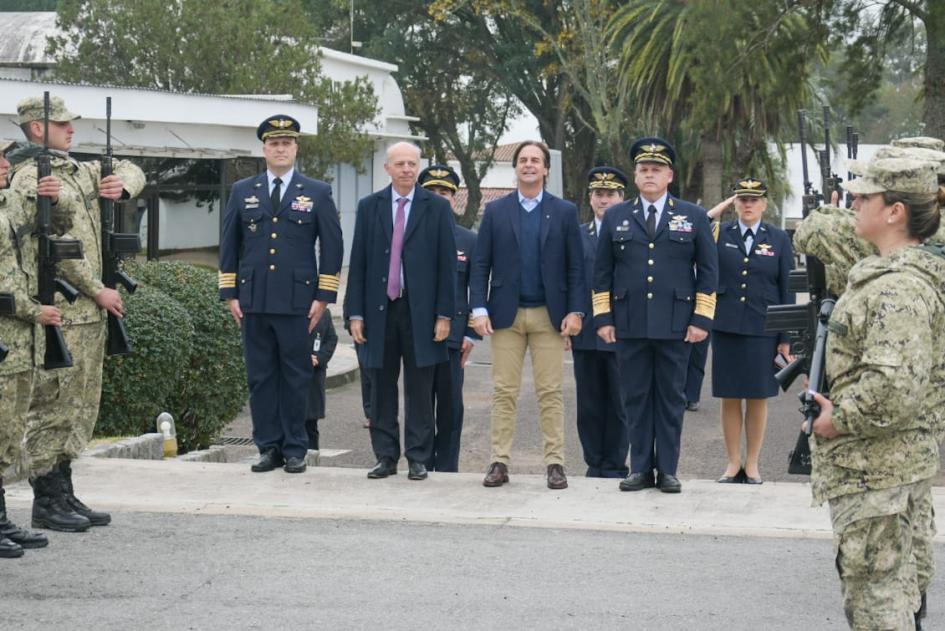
[172,571]
[703,452]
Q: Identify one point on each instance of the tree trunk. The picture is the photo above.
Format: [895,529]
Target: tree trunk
[473,198]
[934,110]
[711,170]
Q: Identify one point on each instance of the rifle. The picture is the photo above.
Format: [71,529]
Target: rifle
[7,308]
[853,147]
[831,181]
[806,323]
[51,251]
[114,245]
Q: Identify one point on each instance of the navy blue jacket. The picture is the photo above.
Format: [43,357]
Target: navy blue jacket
[465,250]
[498,255]
[655,288]
[588,339]
[429,262]
[749,282]
[267,256]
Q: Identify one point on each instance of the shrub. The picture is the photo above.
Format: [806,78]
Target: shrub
[135,387]
[212,388]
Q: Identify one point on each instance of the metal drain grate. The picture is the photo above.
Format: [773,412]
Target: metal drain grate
[235,440]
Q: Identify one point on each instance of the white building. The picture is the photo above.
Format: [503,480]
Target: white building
[152,123]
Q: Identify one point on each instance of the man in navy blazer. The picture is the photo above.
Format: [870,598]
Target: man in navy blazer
[655,280]
[271,281]
[401,297]
[527,289]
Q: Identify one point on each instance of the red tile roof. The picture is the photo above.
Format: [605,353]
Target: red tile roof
[488,195]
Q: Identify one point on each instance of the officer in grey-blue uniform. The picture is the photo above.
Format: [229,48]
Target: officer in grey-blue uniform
[654,292]
[449,375]
[601,417]
[275,288]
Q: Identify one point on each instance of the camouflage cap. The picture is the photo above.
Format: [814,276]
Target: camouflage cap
[31,109]
[6,145]
[902,175]
[914,153]
[922,142]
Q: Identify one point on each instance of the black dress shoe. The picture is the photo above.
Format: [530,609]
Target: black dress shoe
[748,480]
[738,478]
[692,406]
[416,471]
[637,482]
[669,483]
[382,469]
[268,460]
[294,465]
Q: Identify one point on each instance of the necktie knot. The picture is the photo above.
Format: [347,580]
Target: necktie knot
[748,234]
[651,209]
[277,181]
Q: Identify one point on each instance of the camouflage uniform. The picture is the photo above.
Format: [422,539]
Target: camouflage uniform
[887,376]
[16,372]
[828,233]
[65,401]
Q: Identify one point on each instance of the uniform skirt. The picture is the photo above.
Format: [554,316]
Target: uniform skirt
[743,366]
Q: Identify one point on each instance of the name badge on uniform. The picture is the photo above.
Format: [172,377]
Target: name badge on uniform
[731,245]
[680,223]
[317,345]
[303,204]
[764,249]
[251,202]
[624,227]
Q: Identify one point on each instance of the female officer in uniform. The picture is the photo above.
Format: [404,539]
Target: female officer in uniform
[875,450]
[755,259]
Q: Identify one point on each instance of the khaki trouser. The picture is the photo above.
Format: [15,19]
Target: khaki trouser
[65,401]
[532,329]
[15,391]
[873,539]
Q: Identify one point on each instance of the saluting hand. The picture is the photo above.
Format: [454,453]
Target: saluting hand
[608,333]
[694,334]
[719,208]
[441,330]
[50,187]
[111,187]
[482,325]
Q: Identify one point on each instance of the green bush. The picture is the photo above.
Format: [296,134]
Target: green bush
[212,387]
[135,387]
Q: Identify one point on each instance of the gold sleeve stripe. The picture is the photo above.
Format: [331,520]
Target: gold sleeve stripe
[716,228]
[227,284]
[329,282]
[601,302]
[226,280]
[705,305]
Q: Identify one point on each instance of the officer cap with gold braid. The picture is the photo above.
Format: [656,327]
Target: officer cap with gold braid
[606,178]
[750,187]
[278,126]
[653,149]
[439,175]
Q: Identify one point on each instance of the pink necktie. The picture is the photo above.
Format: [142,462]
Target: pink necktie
[396,249]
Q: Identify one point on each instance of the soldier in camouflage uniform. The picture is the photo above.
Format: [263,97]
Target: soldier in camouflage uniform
[65,401]
[875,448]
[828,233]
[18,270]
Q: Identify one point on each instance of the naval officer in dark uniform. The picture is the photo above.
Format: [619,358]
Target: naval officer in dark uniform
[755,260]
[276,290]
[601,417]
[401,299]
[654,293]
[448,378]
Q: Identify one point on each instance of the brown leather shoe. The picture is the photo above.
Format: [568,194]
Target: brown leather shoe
[497,475]
[556,477]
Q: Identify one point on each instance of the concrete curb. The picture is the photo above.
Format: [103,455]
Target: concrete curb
[343,368]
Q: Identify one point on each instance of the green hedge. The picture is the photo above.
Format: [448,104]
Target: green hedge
[135,387]
[211,383]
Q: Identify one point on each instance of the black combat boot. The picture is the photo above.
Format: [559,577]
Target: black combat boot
[50,509]
[97,518]
[11,533]
[9,549]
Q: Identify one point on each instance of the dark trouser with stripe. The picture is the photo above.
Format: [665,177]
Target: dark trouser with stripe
[279,371]
[418,386]
[448,401]
[696,372]
[653,373]
[601,414]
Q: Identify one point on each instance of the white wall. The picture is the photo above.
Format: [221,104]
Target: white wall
[792,204]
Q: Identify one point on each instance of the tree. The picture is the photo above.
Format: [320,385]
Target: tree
[235,47]
[883,28]
[444,78]
[724,77]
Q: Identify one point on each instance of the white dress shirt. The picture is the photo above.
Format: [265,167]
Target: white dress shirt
[754,230]
[286,178]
